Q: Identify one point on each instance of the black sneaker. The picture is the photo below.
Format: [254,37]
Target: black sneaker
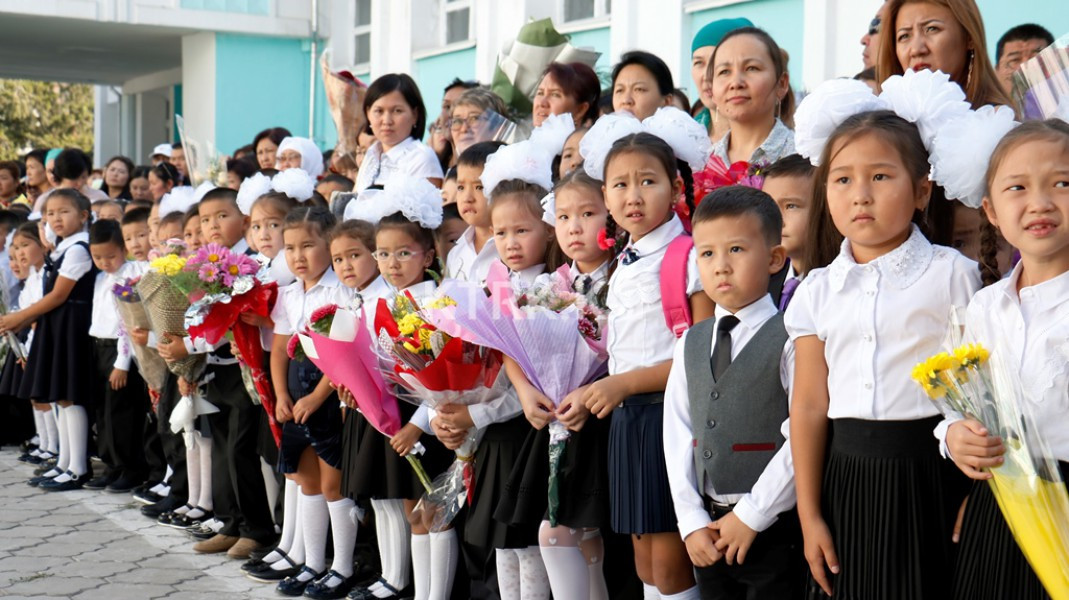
[123,484]
[293,586]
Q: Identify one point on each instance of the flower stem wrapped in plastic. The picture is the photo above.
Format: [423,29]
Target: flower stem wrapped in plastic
[1028,485]
[134,316]
[552,332]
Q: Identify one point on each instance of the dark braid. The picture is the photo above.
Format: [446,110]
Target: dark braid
[989,243]
[688,183]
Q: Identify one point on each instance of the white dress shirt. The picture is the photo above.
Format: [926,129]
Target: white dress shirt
[106,323]
[638,336]
[410,158]
[878,320]
[773,492]
[295,304]
[1027,333]
[529,275]
[32,291]
[599,278]
[76,259]
[465,264]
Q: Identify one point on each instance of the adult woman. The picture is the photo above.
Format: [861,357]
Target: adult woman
[751,89]
[641,83]
[300,153]
[472,114]
[9,182]
[37,181]
[139,183]
[117,174]
[266,145]
[701,52]
[162,179]
[397,117]
[571,88]
[941,35]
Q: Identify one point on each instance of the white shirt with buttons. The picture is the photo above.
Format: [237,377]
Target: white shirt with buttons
[410,158]
[878,320]
[295,305]
[106,323]
[465,263]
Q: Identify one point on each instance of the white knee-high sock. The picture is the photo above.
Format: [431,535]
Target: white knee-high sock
[444,555]
[568,574]
[316,520]
[649,592]
[691,594]
[393,533]
[51,430]
[534,584]
[78,431]
[64,459]
[592,545]
[38,427]
[193,472]
[204,446]
[421,566]
[289,515]
[296,548]
[508,573]
[344,533]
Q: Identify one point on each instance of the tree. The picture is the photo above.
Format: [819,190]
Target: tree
[44,114]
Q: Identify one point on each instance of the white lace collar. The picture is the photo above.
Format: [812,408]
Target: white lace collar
[901,267]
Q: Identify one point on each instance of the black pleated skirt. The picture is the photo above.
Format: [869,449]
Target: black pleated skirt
[583,479]
[991,565]
[322,429]
[59,365]
[10,377]
[371,469]
[638,478]
[890,501]
[498,452]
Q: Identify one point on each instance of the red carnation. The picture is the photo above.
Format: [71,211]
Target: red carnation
[604,241]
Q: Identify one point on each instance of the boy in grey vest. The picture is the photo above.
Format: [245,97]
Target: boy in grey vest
[726,409]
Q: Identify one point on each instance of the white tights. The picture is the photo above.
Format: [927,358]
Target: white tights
[573,559]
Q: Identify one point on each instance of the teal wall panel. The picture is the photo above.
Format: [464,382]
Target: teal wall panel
[433,73]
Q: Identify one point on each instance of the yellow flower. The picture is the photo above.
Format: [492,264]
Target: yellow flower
[971,355]
[409,324]
[442,302]
[169,265]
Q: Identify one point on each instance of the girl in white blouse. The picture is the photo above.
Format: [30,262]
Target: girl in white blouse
[875,500]
[1025,319]
[397,117]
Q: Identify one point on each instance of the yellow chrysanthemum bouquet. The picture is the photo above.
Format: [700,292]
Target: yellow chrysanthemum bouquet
[1028,485]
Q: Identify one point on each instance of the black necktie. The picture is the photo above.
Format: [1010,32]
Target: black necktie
[629,256]
[722,350]
[583,283]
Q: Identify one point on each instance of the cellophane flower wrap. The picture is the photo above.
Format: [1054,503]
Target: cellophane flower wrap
[221,285]
[433,369]
[1028,486]
[339,343]
[133,315]
[166,304]
[554,333]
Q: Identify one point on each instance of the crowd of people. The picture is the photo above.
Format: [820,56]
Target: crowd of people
[757,433]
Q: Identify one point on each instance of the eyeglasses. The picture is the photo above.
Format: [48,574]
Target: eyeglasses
[401,255]
[874,26]
[471,122]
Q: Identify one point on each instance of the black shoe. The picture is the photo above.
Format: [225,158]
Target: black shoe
[147,496]
[123,484]
[76,482]
[153,511]
[38,480]
[363,593]
[262,552]
[28,446]
[185,521]
[202,531]
[258,570]
[99,483]
[320,590]
[292,586]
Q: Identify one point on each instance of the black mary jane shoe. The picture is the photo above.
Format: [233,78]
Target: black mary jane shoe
[265,574]
[293,586]
[365,593]
[185,521]
[321,590]
[76,482]
[43,477]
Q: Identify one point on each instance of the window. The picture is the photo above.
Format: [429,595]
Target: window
[579,10]
[362,33]
[457,21]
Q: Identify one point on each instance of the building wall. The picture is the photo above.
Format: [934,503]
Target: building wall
[435,72]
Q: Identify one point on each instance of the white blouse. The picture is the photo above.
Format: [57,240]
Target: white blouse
[295,304]
[76,259]
[637,334]
[410,158]
[465,264]
[1030,332]
[878,320]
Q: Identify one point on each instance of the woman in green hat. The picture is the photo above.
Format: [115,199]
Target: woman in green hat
[701,49]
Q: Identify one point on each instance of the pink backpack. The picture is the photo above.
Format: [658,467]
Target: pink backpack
[674,299]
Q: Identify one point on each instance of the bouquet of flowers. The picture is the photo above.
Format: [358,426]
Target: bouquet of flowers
[1028,485]
[339,343]
[555,334]
[133,315]
[203,162]
[716,175]
[166,305]
[434,368]
[10,342]
[221,285]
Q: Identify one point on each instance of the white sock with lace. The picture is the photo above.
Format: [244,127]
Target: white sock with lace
[445,552]
[391,526]
[316,520]
[691,594]
[51,431]
[344,532]
[421,566]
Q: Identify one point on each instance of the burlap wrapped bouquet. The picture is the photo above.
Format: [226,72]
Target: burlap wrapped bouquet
[166,307]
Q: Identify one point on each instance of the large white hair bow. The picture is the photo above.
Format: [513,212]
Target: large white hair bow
[250,191]
[530,160]
[179,199]
[687,138]
[295,183]
[414,197]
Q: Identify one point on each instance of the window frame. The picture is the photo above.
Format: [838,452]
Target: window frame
[357,32]
[602,11]
[452,6]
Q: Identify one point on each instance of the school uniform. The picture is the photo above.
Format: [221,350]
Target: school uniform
[1029,329]
[120,413]
[638,337]
[410,158]
[465,263]
[17,419]
[888,498]
[726,446]
[322,430]
[13,374]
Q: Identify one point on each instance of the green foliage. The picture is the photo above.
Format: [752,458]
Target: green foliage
[42,114]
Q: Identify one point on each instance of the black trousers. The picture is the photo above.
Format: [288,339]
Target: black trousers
[774,567]
[120,414]
[237,483]
[174,447]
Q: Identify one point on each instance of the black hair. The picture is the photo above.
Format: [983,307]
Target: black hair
[39,155]
[361,231]
[71,164]
[136,204]
[424,237]
[173,217]
[276,134]
[29,230]
[76,198]
[779,66]
[129,164]
[136,215]
[605,102]
[792,165]
[398,82]
[460,83]
[176,146]
[1022,33]
[739,200]
[165,171]
[9,220]
[221,194]
[242,167]
[106,231]
[529,195]
[140,171]
[317,218]
[192,213]
[681,96]
[335,178]
[868,74]
[651,63]
[450,173]
[450,211]
[476,154]
[279,202]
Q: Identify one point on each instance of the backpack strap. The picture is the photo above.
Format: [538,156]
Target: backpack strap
[674,298]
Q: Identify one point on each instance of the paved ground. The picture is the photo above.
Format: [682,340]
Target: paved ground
[93,545]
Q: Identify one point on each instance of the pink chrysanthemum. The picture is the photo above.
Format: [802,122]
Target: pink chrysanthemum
[323,312]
